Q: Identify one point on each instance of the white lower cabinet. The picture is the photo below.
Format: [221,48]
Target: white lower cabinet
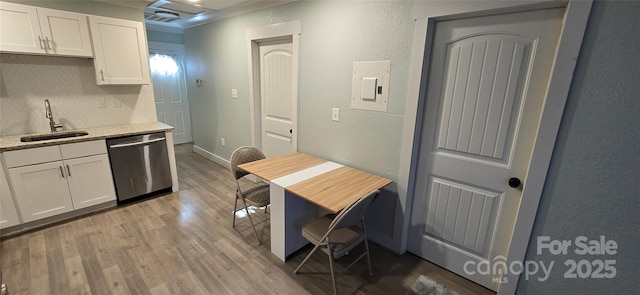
[89,181]
[8,214]
[41,190]
[74,176]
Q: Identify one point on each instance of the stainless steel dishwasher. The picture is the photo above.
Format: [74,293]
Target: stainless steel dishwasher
[140,165]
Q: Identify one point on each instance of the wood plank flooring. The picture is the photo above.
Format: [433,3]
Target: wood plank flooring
[183,243]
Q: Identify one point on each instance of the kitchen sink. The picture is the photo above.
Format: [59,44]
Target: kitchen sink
[56,135]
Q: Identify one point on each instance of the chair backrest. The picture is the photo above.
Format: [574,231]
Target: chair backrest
[353,214]
[241,155]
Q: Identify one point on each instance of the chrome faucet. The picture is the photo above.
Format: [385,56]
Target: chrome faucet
[52,124]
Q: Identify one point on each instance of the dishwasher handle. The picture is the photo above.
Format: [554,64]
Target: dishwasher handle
[136,143]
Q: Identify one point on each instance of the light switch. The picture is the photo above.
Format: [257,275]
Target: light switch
[234,93]
[368,88]
[335,114]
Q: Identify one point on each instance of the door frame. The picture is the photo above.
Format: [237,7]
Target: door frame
[164,46]
[254,36]
[569,44]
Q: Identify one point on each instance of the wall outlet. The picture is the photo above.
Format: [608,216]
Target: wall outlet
[222,141]
[234,93]
[116,102]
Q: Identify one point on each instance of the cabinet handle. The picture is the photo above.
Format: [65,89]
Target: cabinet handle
[48,43]
[61,171]
[102,75]
[41,42]
[68,171]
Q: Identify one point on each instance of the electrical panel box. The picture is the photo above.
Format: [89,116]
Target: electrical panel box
[370,85]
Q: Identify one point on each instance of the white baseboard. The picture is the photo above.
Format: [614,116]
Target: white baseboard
[220,161]
[211,156]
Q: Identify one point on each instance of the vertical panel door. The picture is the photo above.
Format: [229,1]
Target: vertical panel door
[487,84]
[277,99]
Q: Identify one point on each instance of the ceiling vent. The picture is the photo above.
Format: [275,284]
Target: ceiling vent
[162,16]
[197,12]
[167,11]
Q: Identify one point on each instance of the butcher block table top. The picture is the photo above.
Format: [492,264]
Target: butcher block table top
[332,190]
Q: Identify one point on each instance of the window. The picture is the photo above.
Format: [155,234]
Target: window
[163,64]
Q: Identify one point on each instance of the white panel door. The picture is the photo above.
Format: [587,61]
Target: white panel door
[20,29]
[487,84]
[170,89]
[277,100]
[90,180]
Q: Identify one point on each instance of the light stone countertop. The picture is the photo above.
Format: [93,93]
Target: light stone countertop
[12,142]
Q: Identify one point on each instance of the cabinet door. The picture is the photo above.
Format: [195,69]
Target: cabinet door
[19,29]
[65,33]
[8,213]
[40,190]
[90,180]
[120,49]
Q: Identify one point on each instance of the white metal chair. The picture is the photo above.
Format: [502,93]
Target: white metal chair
[338,235]
[257,196]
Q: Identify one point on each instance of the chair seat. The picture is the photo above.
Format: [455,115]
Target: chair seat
[343,238]
[257,196]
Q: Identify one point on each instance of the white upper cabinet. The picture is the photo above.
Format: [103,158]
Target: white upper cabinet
[120,49]
[65,33]
[20,29]
[27,29]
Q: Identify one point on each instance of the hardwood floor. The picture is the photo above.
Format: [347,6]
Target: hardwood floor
[183,243]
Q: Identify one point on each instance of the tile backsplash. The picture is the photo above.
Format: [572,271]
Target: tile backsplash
[69,84]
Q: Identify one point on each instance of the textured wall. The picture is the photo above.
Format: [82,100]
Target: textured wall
[593,185]
[70,85]
[167,37]
[88,7]
[334,35]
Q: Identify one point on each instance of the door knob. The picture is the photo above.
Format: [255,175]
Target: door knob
[514,182]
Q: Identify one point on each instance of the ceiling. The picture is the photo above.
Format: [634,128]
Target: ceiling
[189,13]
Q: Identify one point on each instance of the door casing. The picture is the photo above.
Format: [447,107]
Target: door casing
[575,21]
[254,37]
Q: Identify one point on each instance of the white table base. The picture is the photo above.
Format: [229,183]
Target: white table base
[289,213]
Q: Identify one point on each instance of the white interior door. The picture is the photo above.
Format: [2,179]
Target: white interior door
[487,82]
[169,89]
[277,101]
